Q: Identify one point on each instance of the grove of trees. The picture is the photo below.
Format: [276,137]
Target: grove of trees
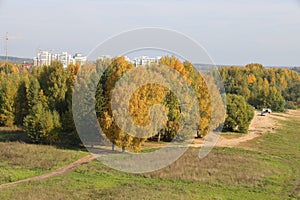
[273,88]
[40,100]
[147,96]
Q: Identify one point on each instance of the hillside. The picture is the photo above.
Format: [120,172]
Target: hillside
[16,59]
[268,169]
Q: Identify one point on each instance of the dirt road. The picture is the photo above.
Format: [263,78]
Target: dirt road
[259,126]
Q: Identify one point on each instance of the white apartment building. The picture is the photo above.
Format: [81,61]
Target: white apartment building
[44,58]
[66,59]
[137,61]
[145,60]
[80,59]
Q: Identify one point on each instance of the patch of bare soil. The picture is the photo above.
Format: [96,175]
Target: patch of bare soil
[259,126]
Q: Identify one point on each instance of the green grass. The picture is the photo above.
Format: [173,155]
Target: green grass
[285,147]
[95,181]
[231,135]
[268,169]
[149,150]
[19,160]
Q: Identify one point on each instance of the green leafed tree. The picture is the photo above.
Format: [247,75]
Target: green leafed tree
[53,81]
[21,101]
[239,114]
[8,93]
[42,125]
[69,135]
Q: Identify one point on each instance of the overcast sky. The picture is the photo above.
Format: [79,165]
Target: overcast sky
[232,31]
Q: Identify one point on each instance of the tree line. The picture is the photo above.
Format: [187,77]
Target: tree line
[40,100]
[258,87]
[274,88]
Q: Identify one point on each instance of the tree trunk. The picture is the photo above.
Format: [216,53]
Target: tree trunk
[123,149]
[199,135]
[159,135]
[113,147]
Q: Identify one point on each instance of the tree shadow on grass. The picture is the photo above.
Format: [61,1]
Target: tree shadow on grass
[8,134]
[12,135]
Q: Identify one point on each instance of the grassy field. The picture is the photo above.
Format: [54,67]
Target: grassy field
[268,169]
[19,160]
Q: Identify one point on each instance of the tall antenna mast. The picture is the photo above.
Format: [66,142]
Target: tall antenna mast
[6,49]
[9,38]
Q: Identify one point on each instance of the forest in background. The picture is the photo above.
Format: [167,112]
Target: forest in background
[273,88]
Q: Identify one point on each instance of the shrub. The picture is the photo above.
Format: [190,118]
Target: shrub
[239,114]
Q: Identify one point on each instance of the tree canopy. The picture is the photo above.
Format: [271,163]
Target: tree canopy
[262,87]
[40,99]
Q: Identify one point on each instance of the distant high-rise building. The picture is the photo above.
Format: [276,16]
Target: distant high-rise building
[137,61]
[80,59]
[66,59]
[145,60]
[44,58]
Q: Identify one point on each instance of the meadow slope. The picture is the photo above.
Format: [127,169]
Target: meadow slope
[266,167]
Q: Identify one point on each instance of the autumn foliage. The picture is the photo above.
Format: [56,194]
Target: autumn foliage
[40,99]
[262,87]
[145,97]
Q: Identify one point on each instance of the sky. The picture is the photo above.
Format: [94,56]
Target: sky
[234,32]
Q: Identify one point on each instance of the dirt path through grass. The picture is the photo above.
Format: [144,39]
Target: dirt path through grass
[259,126]
[61,171]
